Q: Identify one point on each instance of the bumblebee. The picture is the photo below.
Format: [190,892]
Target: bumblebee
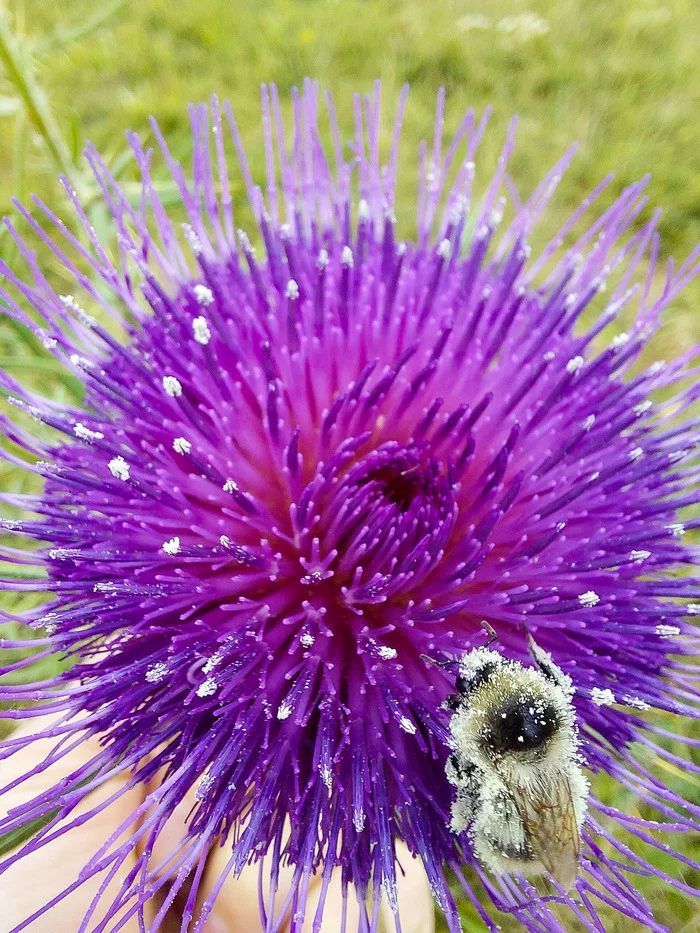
[520,790]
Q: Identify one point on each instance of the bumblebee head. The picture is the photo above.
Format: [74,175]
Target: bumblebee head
[521,724]
[505,713]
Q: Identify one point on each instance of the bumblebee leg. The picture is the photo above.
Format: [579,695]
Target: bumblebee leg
[466,803]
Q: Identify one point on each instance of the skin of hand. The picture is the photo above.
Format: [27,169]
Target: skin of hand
[30,883]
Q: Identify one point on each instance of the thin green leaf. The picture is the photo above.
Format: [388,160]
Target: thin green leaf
[17,837]
[65,36]
[20,71]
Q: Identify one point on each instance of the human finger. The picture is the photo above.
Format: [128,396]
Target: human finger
[33,881]
[237,905]
[413,895]
[236,909]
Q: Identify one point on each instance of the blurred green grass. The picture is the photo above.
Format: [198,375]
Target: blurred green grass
[622,79]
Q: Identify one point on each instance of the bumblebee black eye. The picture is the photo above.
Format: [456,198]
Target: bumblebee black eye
[466,686]
[521,726]
[462,685]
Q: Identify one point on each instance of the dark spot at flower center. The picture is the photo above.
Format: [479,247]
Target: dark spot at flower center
[400,486]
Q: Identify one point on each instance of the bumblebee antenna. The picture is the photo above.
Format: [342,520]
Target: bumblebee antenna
[442,664]
[491,631]
[493,636]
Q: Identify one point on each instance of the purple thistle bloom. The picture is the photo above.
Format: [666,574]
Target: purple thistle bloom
[297,472]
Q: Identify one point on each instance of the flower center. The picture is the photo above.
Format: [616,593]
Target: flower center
[379,527]
[397,485]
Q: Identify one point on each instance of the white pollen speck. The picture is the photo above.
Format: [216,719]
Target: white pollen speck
[636,702]
[326,775]
[213,661]
[635,454]
[521,738]
[181,445]
[347,258]
[307,639]
[657,367]
[444,249]
[47,341]
[172,546]
[43,464]
[292,290]
[617,342]
[548,356]
[284,711]
[203,296]
[589,598]
[68,301]
[602,697]
[172,386]
[642,407]
[407,725]
[192,239]
[496,216]
[230,486]
[156,673]
[85,434]
[667,631]
[246,245]
[693,609]
[575,364]
[386,653]
[322,260]
[62,553]
[363,211]
[639,556]
[677,529]
[589,422]
[206,782]
[201,331]
[119,468]
[207,687]
[570,300]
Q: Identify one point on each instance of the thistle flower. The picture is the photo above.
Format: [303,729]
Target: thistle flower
[301,469]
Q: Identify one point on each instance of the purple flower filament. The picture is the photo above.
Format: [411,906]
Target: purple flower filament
[301,468]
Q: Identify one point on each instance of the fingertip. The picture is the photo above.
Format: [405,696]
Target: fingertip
[415,899]
[215,924]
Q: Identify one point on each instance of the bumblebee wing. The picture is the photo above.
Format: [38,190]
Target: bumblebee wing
[549,818]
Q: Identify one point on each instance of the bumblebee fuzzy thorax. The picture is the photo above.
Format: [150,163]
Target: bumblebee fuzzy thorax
[510,718]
